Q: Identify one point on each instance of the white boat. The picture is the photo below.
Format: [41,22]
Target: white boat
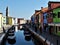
[11,37]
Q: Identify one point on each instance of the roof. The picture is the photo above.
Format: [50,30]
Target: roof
[53,4]
[1,13]
[21,18]
[44,9]
[38,12]
[53,8]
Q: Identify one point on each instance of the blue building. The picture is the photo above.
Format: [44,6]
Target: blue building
[44,18]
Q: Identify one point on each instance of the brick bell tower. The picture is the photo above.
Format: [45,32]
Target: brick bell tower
[7,14]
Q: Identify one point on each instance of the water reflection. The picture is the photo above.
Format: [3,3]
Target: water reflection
[22,37]
[27,38]
[16,28]
[27,33]
[36,42]
[11,41]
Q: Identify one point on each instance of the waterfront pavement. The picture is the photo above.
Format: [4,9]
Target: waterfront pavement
[6,27]
[54,40]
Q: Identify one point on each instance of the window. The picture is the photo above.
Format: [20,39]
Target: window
[54,15]
[58,14]
[45,17]
[59,28]
[4,20]
[48,16]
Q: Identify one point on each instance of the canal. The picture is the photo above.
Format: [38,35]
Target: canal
[20,39]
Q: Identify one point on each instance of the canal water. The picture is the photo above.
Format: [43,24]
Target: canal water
[19,39]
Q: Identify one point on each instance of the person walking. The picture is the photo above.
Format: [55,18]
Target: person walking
[3,30]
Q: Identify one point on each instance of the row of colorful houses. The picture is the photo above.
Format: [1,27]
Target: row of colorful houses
[8,20]
[48,16]
[3,20]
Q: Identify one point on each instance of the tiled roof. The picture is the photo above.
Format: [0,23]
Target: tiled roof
[53,4]
[1,13]
[45,9]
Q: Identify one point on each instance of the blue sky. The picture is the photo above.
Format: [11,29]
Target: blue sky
[22,8]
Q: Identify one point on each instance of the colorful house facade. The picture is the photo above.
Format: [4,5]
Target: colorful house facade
[49,16]
[4,20]
[32,18]
[1,20]
[54,8]
[39,18]
[44,17]
[56,16]
[11,21]
[20,21]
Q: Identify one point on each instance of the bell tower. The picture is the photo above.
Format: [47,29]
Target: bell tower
[7,11]
[7,14]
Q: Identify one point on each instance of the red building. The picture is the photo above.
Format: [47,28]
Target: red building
[51,5]
[19,22]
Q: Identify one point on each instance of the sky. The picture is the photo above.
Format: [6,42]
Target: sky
[22,8]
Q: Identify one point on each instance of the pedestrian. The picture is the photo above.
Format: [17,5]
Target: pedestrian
[3,30]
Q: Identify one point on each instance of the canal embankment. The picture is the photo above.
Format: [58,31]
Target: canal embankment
[3,35]
[38,37]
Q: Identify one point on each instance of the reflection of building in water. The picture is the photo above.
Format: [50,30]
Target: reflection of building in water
[27,38]
[16,28]
[13,41]
[36,42]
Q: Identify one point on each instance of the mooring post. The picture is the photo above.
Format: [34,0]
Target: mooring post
[45,42]
[57,42]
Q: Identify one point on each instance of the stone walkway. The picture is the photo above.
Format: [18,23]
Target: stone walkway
[6,27]
[54,40]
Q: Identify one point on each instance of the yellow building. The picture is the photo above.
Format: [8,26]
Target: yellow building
[11,21]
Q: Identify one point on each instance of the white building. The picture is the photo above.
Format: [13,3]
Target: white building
[22,21]
[13,21]
[1,20]
[4,20]
[16,28]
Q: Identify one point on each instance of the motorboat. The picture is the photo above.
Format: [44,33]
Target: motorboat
[11,37]
[27,33]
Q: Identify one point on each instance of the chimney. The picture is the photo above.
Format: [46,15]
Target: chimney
[36,11]
[41,8]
